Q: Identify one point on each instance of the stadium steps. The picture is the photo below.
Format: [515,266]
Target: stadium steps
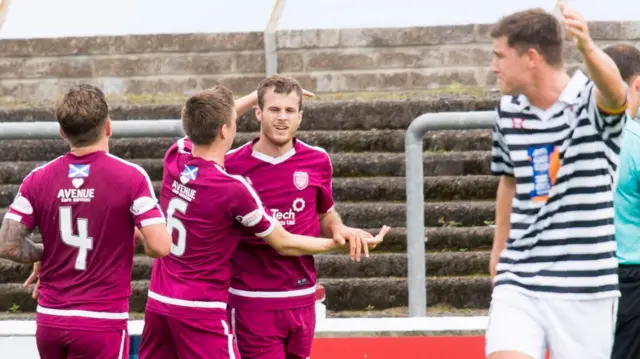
[365,140]
[387,141]
[362,164]
[444,238]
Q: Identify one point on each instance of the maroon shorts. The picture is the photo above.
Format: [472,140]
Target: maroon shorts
[274,334]
[58,343]
[167,337]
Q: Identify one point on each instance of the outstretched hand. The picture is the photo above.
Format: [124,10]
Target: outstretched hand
[359,240]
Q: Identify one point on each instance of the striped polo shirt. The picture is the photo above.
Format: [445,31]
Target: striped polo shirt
[564,159]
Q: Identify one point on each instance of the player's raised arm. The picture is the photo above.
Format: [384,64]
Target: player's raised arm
[611,92]
[245,103]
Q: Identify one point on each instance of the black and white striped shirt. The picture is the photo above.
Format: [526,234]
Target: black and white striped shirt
[564,160]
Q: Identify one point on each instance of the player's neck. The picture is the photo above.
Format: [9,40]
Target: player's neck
[85,150]
[271,149]
[547,88]
[214,153]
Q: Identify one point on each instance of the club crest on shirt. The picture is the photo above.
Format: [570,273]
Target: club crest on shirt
[300,179]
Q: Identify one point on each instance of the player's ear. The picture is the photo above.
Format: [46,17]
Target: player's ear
[224,131]
[259,113]
[62,133]
[107,127]
[636,84]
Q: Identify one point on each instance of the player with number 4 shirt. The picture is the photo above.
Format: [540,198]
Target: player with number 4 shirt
[86,205]
[208,212]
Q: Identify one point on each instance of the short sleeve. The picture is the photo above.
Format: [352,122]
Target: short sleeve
[609,122]
[248,210]
[501,164]
[324,202]
[23,207]
[144,206]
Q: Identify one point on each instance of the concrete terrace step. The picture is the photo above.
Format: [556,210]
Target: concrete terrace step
[366,164]
[342,294]
[149,147]
[374,214]
[331,141]
[441,238]
[328,265]
[358,189]
[318,115]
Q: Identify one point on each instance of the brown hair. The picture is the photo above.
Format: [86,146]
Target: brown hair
[204,114]
[82,114]
[535,29]
[281,85]
[627,58]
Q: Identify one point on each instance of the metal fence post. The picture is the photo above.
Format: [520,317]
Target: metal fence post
[416,276]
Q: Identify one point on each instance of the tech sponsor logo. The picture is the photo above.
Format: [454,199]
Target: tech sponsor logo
[288,218]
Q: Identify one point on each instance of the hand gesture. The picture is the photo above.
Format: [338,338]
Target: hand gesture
[35,276]
[576,28]
[359,240]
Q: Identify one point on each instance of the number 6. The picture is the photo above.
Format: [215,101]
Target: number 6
[176,204]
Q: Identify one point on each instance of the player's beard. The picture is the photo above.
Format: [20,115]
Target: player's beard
[280,140]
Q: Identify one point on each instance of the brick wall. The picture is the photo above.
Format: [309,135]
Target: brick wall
[323,60]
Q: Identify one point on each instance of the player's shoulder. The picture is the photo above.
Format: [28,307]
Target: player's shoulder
[632,132]
[42,172]
[123,167]
[317,153]
[232,183]
[240,152]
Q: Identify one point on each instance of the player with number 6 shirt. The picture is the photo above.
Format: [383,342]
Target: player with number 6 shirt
[86,205]
[208,212]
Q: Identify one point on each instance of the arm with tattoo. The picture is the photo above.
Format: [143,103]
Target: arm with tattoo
[15,244]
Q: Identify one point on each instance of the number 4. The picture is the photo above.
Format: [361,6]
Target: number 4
[176,204]
[82,241]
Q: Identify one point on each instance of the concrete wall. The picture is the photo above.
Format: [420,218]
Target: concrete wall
[38,70]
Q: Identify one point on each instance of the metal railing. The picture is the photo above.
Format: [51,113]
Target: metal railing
[50,129]
[413,147]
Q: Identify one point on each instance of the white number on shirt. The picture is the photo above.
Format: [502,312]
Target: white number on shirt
[82,241]
[176,204]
